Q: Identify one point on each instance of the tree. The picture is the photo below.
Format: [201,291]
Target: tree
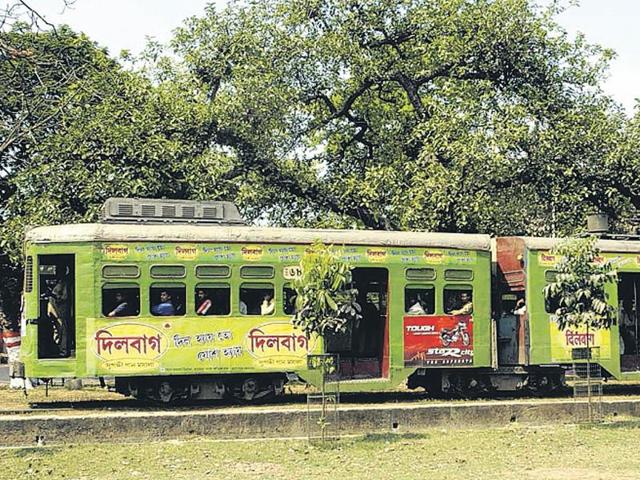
[325,301]
[120,136]
[76,127]
[38,70]
[39,63]
[326,306]
[449,115]
[579,288]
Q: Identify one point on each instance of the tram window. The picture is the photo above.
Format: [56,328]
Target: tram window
[420,274]
[508,303]
[213,271]
[288,299]
[167,299]
[458,300]
[120,271]
[213,299]
[257,299]
[257,271]
[455,274]
[168,271]
[120,300]
[550,276]
[419,299]
[551,304]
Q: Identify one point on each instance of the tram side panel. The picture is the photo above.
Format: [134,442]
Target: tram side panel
[202,345]
[155,342]
[449,345]
[453,329]
[551,345]
[138,343]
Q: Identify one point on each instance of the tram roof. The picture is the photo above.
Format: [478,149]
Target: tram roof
[97,232]
[605,245]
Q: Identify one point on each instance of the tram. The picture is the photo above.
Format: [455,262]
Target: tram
[181,299]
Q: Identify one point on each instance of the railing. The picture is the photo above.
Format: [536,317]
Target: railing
[323,416]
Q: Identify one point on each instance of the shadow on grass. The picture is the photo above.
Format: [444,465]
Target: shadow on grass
[391,437]
[614,425]
[36,451]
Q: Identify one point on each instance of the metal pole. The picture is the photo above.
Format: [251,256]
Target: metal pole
[589,407]
[323,425]
[635,321]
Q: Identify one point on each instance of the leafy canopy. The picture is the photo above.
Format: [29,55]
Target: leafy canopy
[325,301]
[580,286]
[449,115]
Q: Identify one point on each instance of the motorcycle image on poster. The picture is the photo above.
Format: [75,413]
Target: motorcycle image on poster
[438,340]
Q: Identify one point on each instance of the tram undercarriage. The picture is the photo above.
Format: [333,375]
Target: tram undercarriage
[170,389]
[474,382]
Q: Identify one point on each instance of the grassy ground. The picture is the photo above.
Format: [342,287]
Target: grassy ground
[16,399]
[564,452]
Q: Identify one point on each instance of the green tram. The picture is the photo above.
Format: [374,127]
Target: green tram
[236,348]
[179,299]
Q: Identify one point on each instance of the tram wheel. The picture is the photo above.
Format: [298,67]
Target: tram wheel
[165,392]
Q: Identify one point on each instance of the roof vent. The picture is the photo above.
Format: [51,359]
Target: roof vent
[148,210]
[598,223]
[188,212]
[168,211]
[138,210]
[125,210]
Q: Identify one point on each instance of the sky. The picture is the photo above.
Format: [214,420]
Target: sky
[612,24]
[125,24]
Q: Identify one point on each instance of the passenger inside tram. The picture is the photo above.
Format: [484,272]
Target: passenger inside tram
[165,307]
[627,327]
[257,300]
[462,304]
[58,309]
[203,303]
[415,307]
[121,308]
[267,306]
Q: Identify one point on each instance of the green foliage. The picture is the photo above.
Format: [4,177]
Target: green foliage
[325,301]
[580,285]
[41,74]
[326,363]
[439,115]
[77,128]
[120,135]
[37,71]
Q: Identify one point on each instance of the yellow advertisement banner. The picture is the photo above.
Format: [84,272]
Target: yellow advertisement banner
[564,341]
[376,255]
[197,345]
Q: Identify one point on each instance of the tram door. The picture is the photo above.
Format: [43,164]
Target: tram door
[508,324]
[512,329]
[628,298]
[56,316]
[361,348]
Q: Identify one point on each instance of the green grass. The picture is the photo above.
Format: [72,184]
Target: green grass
[16,399]
[565,452]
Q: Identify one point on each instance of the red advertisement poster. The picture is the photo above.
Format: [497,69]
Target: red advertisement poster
[438,340]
